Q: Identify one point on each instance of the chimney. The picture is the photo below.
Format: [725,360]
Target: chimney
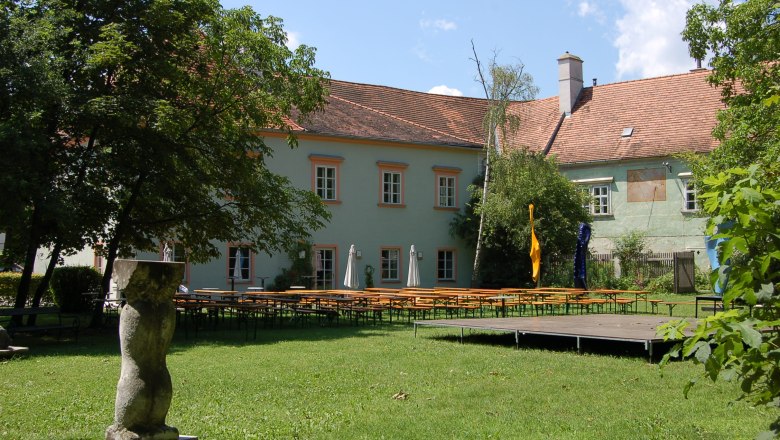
[569,81]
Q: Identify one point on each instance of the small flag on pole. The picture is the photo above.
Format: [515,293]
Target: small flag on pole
[536,250]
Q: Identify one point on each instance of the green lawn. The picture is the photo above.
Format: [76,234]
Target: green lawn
[339,383]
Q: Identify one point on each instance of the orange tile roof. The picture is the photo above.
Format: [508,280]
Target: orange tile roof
[668,114]
[385,113]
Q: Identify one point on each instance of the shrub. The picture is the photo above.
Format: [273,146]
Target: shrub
[9,284]
[70,282]
[662,284]
[629,248]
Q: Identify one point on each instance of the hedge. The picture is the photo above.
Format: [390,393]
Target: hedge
[9,285]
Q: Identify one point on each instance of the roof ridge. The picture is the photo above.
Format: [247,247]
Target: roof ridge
[371,109]
[438,95]
[653,78]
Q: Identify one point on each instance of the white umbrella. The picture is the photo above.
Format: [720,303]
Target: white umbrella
[351,280]
[413,280]
[237,266]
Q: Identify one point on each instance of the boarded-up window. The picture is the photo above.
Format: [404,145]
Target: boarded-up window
[647,185]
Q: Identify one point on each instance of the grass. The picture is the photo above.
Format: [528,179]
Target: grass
[340,382]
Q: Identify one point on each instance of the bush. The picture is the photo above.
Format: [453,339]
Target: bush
[70,282]
[662,284]
[9,284]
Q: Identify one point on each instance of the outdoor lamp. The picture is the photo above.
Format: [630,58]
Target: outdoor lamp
[302,255]
[419,255]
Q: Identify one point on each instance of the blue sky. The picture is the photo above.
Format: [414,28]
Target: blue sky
[421,45]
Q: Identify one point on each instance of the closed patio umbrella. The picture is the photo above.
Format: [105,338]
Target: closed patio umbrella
[413,279]
[580,272]
[236,270]
[351,279]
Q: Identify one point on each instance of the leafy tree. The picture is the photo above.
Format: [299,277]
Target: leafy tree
[742,343]
[163,100]
[502,85]
[521,178]
[743,40]
[743,201]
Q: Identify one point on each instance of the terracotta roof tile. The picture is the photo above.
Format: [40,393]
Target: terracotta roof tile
[668,114]
[385,113]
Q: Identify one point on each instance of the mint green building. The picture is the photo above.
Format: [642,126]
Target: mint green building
[393,167]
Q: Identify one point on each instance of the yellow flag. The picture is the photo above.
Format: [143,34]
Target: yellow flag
[536,250]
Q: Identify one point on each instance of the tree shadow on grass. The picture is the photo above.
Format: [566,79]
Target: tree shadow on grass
[229,332]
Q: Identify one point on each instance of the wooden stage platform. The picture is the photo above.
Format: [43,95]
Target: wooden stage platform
[604,327]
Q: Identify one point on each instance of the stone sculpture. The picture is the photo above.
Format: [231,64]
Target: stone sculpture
[146,326]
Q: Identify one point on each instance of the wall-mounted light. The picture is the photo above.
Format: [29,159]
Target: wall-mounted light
[358,254]
[302,255]
[668,166]
[419,255]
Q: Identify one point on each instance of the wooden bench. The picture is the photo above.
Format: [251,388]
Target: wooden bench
[673,304]
[71,323]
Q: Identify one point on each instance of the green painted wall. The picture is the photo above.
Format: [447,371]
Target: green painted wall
[667,226]
[358,219]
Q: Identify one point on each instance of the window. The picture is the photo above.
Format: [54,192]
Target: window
[446,191]
[598,192]
[690,203]
[446,187]
[325,177]
[239,264]
[325,268]
[445,265]
[391,184]
[600,202]
[326,182]
[390,260]
[391,187]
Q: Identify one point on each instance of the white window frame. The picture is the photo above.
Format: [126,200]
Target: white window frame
[447,195]
[392,189]
[689,196]
[326,184]
[325,267]
[601,203]
[390,263]
[246,255]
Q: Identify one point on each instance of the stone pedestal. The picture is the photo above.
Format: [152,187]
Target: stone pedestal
[146,327]
[6,349]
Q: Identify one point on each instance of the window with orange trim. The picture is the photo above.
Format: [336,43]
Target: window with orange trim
[446,187]
[391,184]
[325,175]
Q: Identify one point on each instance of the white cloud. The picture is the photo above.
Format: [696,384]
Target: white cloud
[293,40]
[649,42]
[444,90]
[586,9]
[438,24]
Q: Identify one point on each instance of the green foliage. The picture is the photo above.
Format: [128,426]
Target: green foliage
[629,248]
[9,284]
[743,39]
[164,101]
[300,267]
[369,274]
[737,345]
[519,179]
[68,283]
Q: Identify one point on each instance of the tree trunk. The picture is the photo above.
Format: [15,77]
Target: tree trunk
[29,262]
[478,250]
[44,285]
[113,249]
